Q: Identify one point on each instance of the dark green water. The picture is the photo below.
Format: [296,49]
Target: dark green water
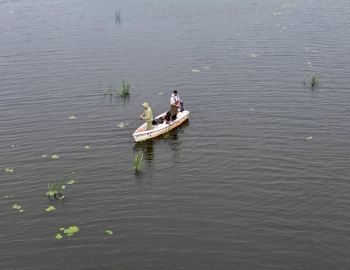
[241,186]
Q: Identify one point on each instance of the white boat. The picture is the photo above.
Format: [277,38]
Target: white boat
[142,134]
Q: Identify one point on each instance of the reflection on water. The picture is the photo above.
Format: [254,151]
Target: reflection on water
[258,180]
[172,137]
[117,17]
[146,148]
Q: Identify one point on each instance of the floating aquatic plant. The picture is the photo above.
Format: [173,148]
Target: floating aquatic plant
[70,231]
[18,207]
[70,182]
[109,232]
[9,170]
[55,157]
[138,162]
[55,191]
[50,208]
[72,117]
[312,81]
[122,124]
[87,147]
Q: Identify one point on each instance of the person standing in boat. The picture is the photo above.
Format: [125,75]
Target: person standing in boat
[174,104]
[147,115]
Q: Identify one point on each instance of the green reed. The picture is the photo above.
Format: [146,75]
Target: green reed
[313,81]
[138,162]
[124,89]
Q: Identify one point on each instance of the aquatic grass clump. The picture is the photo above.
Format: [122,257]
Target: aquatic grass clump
[55,191]
[124,89]
[138,162]
[313,81]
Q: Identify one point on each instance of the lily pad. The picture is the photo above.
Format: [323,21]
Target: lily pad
[50,208]
[309,138]
[71,230]
[109,232]
[16,206]
[72,117]
[44,155]
[58,236]
[254,55]
[87,147]
[122,124]
[196,70]
[9,170]
[70,182]
[21,210]
[50,193]
[55,157]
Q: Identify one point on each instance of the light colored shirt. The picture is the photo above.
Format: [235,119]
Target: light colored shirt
[174,100]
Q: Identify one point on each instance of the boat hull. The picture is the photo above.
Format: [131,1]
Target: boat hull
[141,134]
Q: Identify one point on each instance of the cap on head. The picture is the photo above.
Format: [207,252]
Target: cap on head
[175,91]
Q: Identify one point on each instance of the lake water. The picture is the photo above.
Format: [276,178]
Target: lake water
[258,178]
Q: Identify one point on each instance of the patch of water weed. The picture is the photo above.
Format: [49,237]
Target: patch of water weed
[70,182]
[124,89]
[122,124]
[9,170]
[68,232]
[55,157]
[55,191]
[18,207]
[123,92]
[109,232]
[50,208]
[138,162]
[312,81]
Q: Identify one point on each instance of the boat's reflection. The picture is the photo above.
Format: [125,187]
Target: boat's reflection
[172,137]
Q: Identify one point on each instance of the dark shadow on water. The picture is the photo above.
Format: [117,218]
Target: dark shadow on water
[117,17]
[147,147]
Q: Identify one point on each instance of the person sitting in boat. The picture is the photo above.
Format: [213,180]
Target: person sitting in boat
[174,104]
[147,115]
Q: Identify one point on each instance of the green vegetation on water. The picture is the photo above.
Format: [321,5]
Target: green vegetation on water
[124,89]
[55,191]
[138,162]
[312,81]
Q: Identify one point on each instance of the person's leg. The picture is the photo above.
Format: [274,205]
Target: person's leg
[149,125]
